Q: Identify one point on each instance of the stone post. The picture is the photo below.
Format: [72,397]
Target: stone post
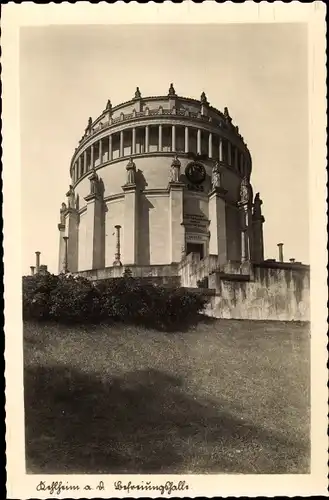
[257,226]
[117,261]
[217,227]
[32,270]
[65,263]
[37,262]
[280,246]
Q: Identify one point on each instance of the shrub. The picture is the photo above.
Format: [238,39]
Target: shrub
[67,299]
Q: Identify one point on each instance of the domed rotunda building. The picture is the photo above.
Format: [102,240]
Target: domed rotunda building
[154,180]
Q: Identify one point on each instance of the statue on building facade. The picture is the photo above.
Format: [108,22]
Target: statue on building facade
[131,172]
[138,94]
[62,213]
[245,191]
[204,98]
[171,90]
[108,105]
[216,174]
[175,170]
[94,182]
[257,212]
[227,117]
[71,197]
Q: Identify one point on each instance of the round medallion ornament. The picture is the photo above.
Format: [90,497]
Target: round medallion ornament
[195,173]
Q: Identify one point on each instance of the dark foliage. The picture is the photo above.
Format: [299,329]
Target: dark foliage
[72,299]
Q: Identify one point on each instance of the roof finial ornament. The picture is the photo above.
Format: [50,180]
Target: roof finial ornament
[203,98]
[138,94]
[171,90]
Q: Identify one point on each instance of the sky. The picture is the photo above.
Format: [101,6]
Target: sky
[259,71]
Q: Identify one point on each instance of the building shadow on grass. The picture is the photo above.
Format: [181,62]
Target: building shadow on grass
[143,422]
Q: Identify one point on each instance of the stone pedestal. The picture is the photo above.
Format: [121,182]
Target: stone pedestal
[176,230]
[217,227]
[130,234]
[95,242]
[258,240]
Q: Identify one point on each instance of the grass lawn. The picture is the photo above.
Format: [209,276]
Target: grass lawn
[225,396]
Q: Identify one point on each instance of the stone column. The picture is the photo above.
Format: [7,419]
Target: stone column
[217,227]
[84,162]
[121,144]
[199,141]
[186,140]
[92,161]
[220,149]
[95,244]
[160,138]
[110,148]
[101,151]
[130,236]
[133,146]
[229,153]
[241,163]
[65,264]
[236,158]
[173,138]
[176,228]
[32,270]
[210,145]
[79,167]
[147,135]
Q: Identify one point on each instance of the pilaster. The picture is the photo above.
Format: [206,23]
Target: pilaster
[176,229]
[246,231]
[71,223]
[95,244]
[217,227]
[130,236]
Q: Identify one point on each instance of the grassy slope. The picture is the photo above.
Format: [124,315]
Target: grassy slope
[226,396]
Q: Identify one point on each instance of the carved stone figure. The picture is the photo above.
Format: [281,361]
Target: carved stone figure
[175,170]
[216,175]
[70,197]
[94,182]
[62,213]
[257,212]
[228,119]
[131,172]
[90,121]
[171,90]
[138,94]
[108,105]
[245,191]
[204,98]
